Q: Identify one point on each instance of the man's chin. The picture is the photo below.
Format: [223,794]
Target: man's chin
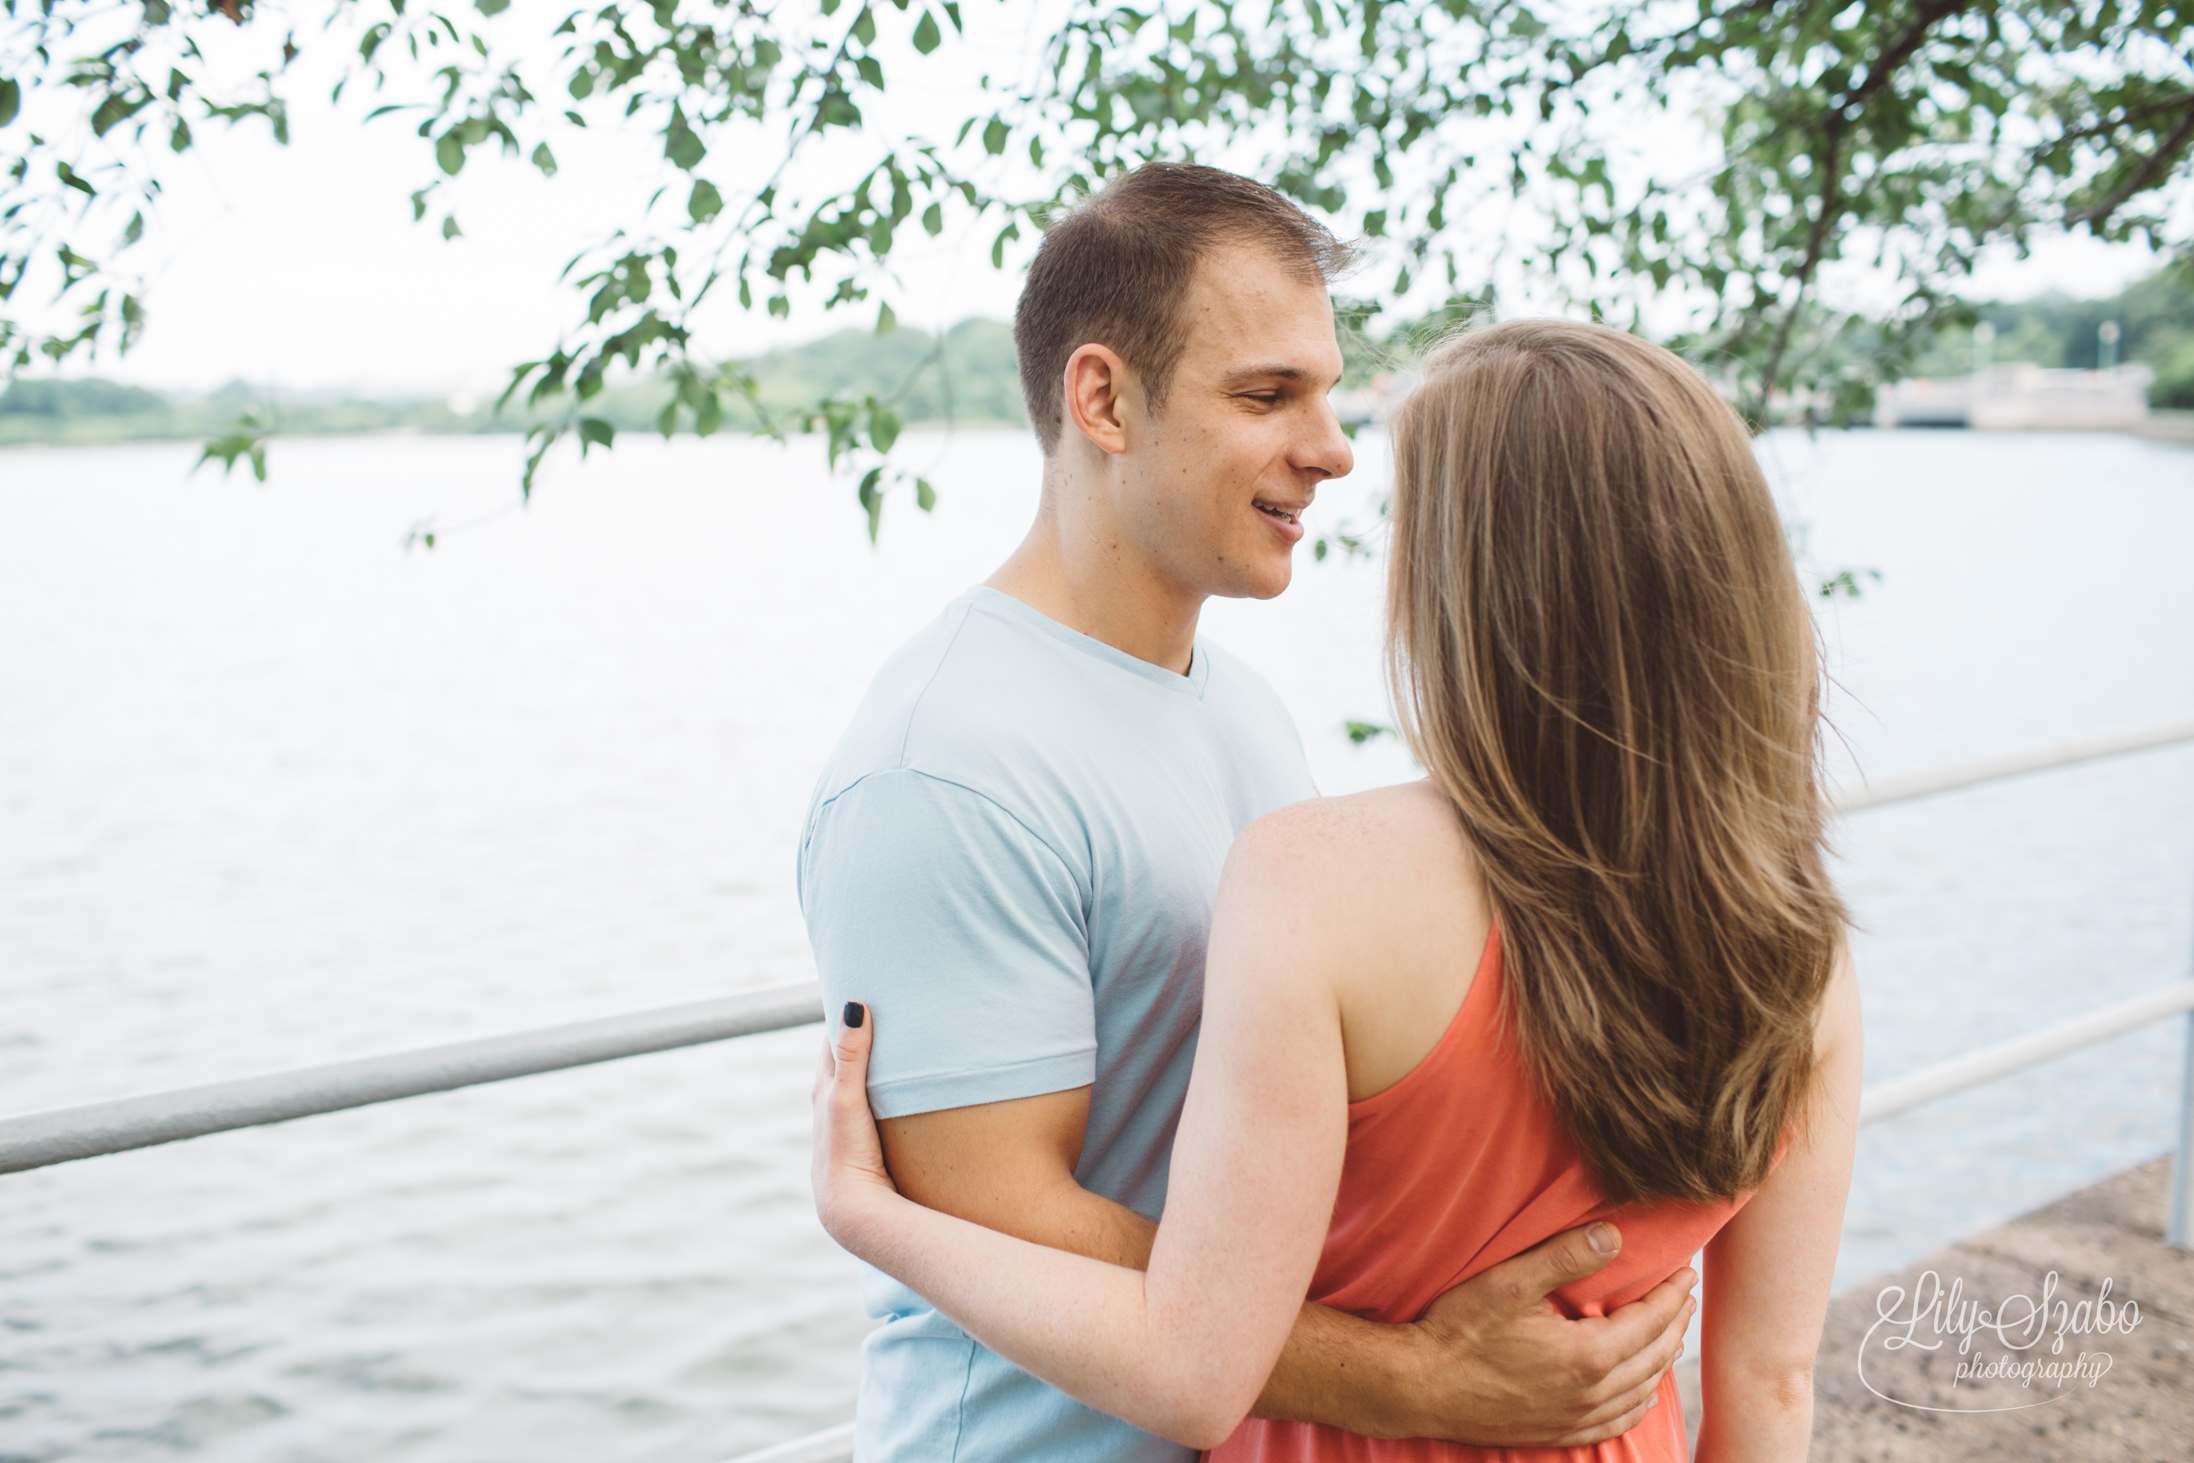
[1269,583]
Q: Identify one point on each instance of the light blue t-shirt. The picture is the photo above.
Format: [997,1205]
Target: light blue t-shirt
[1013,856]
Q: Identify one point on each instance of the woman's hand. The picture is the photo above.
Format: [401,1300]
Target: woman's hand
[852,1184]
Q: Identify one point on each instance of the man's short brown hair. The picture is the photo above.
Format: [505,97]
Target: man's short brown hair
[1115,271]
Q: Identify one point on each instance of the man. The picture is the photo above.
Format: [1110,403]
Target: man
[1015,850]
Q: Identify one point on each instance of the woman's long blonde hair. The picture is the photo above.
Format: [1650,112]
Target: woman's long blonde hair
[1599,650]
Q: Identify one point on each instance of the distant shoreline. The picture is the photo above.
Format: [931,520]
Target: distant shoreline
[966,376]
[198,437]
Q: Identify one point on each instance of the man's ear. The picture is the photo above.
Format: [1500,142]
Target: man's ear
[1093,391]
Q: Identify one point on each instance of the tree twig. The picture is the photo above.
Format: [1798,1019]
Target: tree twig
[2144,175]
[1839,119]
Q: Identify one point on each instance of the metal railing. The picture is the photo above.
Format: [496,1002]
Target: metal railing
[58,1135]
[1996,769]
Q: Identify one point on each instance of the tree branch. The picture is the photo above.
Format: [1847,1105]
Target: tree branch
[2144,175]
[1839,119]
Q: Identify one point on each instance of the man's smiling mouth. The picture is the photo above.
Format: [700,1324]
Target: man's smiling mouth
[1285,515]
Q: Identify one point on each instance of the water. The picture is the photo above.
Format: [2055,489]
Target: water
[274,791]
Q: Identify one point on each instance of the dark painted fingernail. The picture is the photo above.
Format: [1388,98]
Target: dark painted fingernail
[855,1015]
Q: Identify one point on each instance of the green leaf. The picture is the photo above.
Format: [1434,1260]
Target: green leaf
[594,432]
[449,227]
[925,496]
[681,144]
[864,26]
[872,500]
[704,203]
[886,320]
[419,203]
[548,436]
[883,426]
[115,110]
[246,439]
[11,99]
[492,7]
[926,37]
[994,136]
[1360,732]
[933,219]
[449,152]
[542,157]
[136,229]
[69,176]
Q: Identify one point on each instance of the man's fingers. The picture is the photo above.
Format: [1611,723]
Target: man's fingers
[1644,1366]
[1569,1256]
[1629,1330]
[1633,1396]
[1615,1428]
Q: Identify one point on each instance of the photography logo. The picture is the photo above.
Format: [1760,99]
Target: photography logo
[2024,1351]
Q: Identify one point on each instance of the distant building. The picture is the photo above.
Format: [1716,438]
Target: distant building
[2017,397]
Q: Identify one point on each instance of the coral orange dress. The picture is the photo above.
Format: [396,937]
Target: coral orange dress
[1455,1168]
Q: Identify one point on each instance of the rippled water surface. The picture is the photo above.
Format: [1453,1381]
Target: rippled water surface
[273,791]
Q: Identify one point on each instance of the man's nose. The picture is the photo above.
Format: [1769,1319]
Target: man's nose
[1326,449]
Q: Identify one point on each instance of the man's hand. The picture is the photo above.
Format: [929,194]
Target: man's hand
[1492,1362]
[1510,1370]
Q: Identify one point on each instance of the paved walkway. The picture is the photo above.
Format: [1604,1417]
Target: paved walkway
[2139,1410]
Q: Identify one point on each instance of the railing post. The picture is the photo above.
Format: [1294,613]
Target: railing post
[2182,1164]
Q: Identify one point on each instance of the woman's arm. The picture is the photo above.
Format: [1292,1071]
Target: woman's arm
[1183,1349]
[1768,1271]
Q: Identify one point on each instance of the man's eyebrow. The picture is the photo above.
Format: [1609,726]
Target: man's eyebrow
[1267,373]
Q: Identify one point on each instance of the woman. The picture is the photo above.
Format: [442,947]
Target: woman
[1591,967]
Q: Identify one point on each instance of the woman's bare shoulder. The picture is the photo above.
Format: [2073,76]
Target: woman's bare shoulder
[1404,833]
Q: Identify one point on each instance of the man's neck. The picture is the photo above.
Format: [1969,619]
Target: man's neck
[1107,597]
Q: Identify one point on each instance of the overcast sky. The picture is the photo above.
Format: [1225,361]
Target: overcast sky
[301,266]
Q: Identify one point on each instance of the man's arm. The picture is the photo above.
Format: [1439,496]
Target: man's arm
[1492,1363]
[1009,1166]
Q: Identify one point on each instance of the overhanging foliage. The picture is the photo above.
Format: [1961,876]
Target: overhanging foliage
[1793,191]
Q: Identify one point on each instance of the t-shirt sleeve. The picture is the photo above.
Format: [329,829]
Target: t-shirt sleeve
[964,932]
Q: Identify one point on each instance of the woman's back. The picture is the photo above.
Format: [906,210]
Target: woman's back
[1455,1159]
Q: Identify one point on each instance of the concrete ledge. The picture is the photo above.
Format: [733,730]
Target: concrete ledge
[2175,427]
[2140,1411]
